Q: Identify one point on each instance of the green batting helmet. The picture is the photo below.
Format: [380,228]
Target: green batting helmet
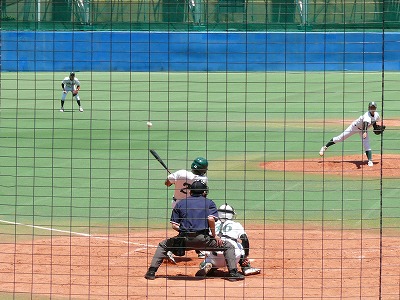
[199,166]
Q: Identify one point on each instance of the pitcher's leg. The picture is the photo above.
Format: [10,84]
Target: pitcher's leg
[346,134]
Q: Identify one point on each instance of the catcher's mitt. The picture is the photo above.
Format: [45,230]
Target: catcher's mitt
[378,129]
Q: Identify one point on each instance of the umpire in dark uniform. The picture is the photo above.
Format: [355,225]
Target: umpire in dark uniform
[194,218]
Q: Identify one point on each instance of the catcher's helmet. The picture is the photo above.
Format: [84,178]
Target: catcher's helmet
[199,166]
[226,212]
[198,187]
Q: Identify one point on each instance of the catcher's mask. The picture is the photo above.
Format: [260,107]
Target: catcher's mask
[372,106]
[199,187]
[226,212]
[199,166]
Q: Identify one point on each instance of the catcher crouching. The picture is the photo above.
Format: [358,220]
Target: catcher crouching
[234,233]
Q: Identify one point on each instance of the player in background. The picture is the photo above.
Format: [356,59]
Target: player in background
[360,126]
[71,84]
[182,179]
[233,232]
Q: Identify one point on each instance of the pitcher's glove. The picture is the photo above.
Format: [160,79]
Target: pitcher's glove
[378,129]
[74,93]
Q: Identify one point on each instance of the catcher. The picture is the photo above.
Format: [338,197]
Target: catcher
[360,126]
[71,84]
[232,232]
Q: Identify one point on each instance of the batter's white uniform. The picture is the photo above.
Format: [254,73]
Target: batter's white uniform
[70,86]
[231,232]
[182,179]
[357,127]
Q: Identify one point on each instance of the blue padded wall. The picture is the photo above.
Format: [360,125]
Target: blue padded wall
[199,51]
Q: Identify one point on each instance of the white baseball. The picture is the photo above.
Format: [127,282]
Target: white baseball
[149,124]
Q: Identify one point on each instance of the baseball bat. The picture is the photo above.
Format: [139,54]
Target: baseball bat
[156,156]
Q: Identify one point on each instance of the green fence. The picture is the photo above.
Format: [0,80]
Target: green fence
[200,15]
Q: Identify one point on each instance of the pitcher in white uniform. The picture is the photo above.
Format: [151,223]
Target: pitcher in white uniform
[360,126]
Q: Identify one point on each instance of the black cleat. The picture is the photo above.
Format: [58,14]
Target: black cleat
[234,275]
[150,275]
[205,268]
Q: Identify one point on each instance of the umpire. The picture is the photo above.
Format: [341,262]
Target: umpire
[194,218]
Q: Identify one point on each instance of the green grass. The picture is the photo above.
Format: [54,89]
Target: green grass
[92,171]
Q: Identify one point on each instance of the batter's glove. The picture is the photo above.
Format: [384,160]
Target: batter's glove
[378,129]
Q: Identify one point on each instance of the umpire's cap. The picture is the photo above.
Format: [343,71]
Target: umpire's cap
[198,187]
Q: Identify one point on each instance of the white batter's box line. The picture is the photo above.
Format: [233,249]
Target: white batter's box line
[77,233]
[141,250]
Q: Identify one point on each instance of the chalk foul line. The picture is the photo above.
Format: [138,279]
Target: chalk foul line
[78,234]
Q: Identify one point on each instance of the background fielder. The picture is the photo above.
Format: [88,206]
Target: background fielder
[360,126]
[71,84]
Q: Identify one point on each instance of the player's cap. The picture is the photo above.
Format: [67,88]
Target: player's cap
[373,104]
[72,74]
[198,187]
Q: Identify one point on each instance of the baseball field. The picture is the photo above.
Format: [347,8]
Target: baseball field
[83,202]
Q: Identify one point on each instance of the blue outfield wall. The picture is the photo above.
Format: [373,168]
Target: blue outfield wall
[199,51]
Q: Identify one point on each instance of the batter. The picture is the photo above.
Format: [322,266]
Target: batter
[182,179]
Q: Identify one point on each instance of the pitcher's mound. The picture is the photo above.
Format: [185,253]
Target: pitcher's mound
[352,165]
